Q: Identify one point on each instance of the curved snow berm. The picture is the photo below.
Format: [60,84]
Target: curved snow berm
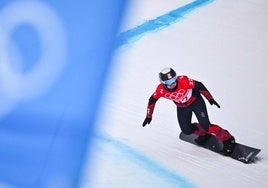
[223,44]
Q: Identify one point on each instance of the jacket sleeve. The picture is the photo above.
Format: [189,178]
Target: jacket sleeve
[203,90]
[150,106]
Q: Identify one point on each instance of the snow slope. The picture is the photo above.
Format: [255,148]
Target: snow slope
[222,43]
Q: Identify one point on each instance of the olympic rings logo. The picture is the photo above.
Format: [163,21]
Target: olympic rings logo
[181,96]
[14,84]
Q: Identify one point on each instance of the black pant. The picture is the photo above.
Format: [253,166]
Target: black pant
[184,115]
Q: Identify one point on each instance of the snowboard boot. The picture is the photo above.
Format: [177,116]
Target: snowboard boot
[201,140]
[228,146]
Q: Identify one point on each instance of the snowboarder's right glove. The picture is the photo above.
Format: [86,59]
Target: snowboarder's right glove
[147,121]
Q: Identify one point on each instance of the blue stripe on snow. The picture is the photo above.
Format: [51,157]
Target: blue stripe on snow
[146,163]
[158,23]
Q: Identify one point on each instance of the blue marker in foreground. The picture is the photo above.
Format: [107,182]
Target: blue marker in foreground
[54,56]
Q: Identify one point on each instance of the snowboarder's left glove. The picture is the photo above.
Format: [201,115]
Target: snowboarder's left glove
[147,121]
[212,101]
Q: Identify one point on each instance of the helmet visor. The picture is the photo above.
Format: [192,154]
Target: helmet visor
[170,81]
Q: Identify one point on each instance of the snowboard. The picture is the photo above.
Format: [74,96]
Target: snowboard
[242,153]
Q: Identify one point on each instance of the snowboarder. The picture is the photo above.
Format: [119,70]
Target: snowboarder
[186,94]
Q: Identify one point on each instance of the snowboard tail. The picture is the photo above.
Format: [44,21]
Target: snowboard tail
[243,153]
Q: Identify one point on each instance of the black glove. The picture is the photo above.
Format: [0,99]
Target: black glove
[147,121]
[212,101]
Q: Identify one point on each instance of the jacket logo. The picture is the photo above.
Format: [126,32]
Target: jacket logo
[181,96]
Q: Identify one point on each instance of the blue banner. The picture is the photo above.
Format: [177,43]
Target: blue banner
[54,57]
